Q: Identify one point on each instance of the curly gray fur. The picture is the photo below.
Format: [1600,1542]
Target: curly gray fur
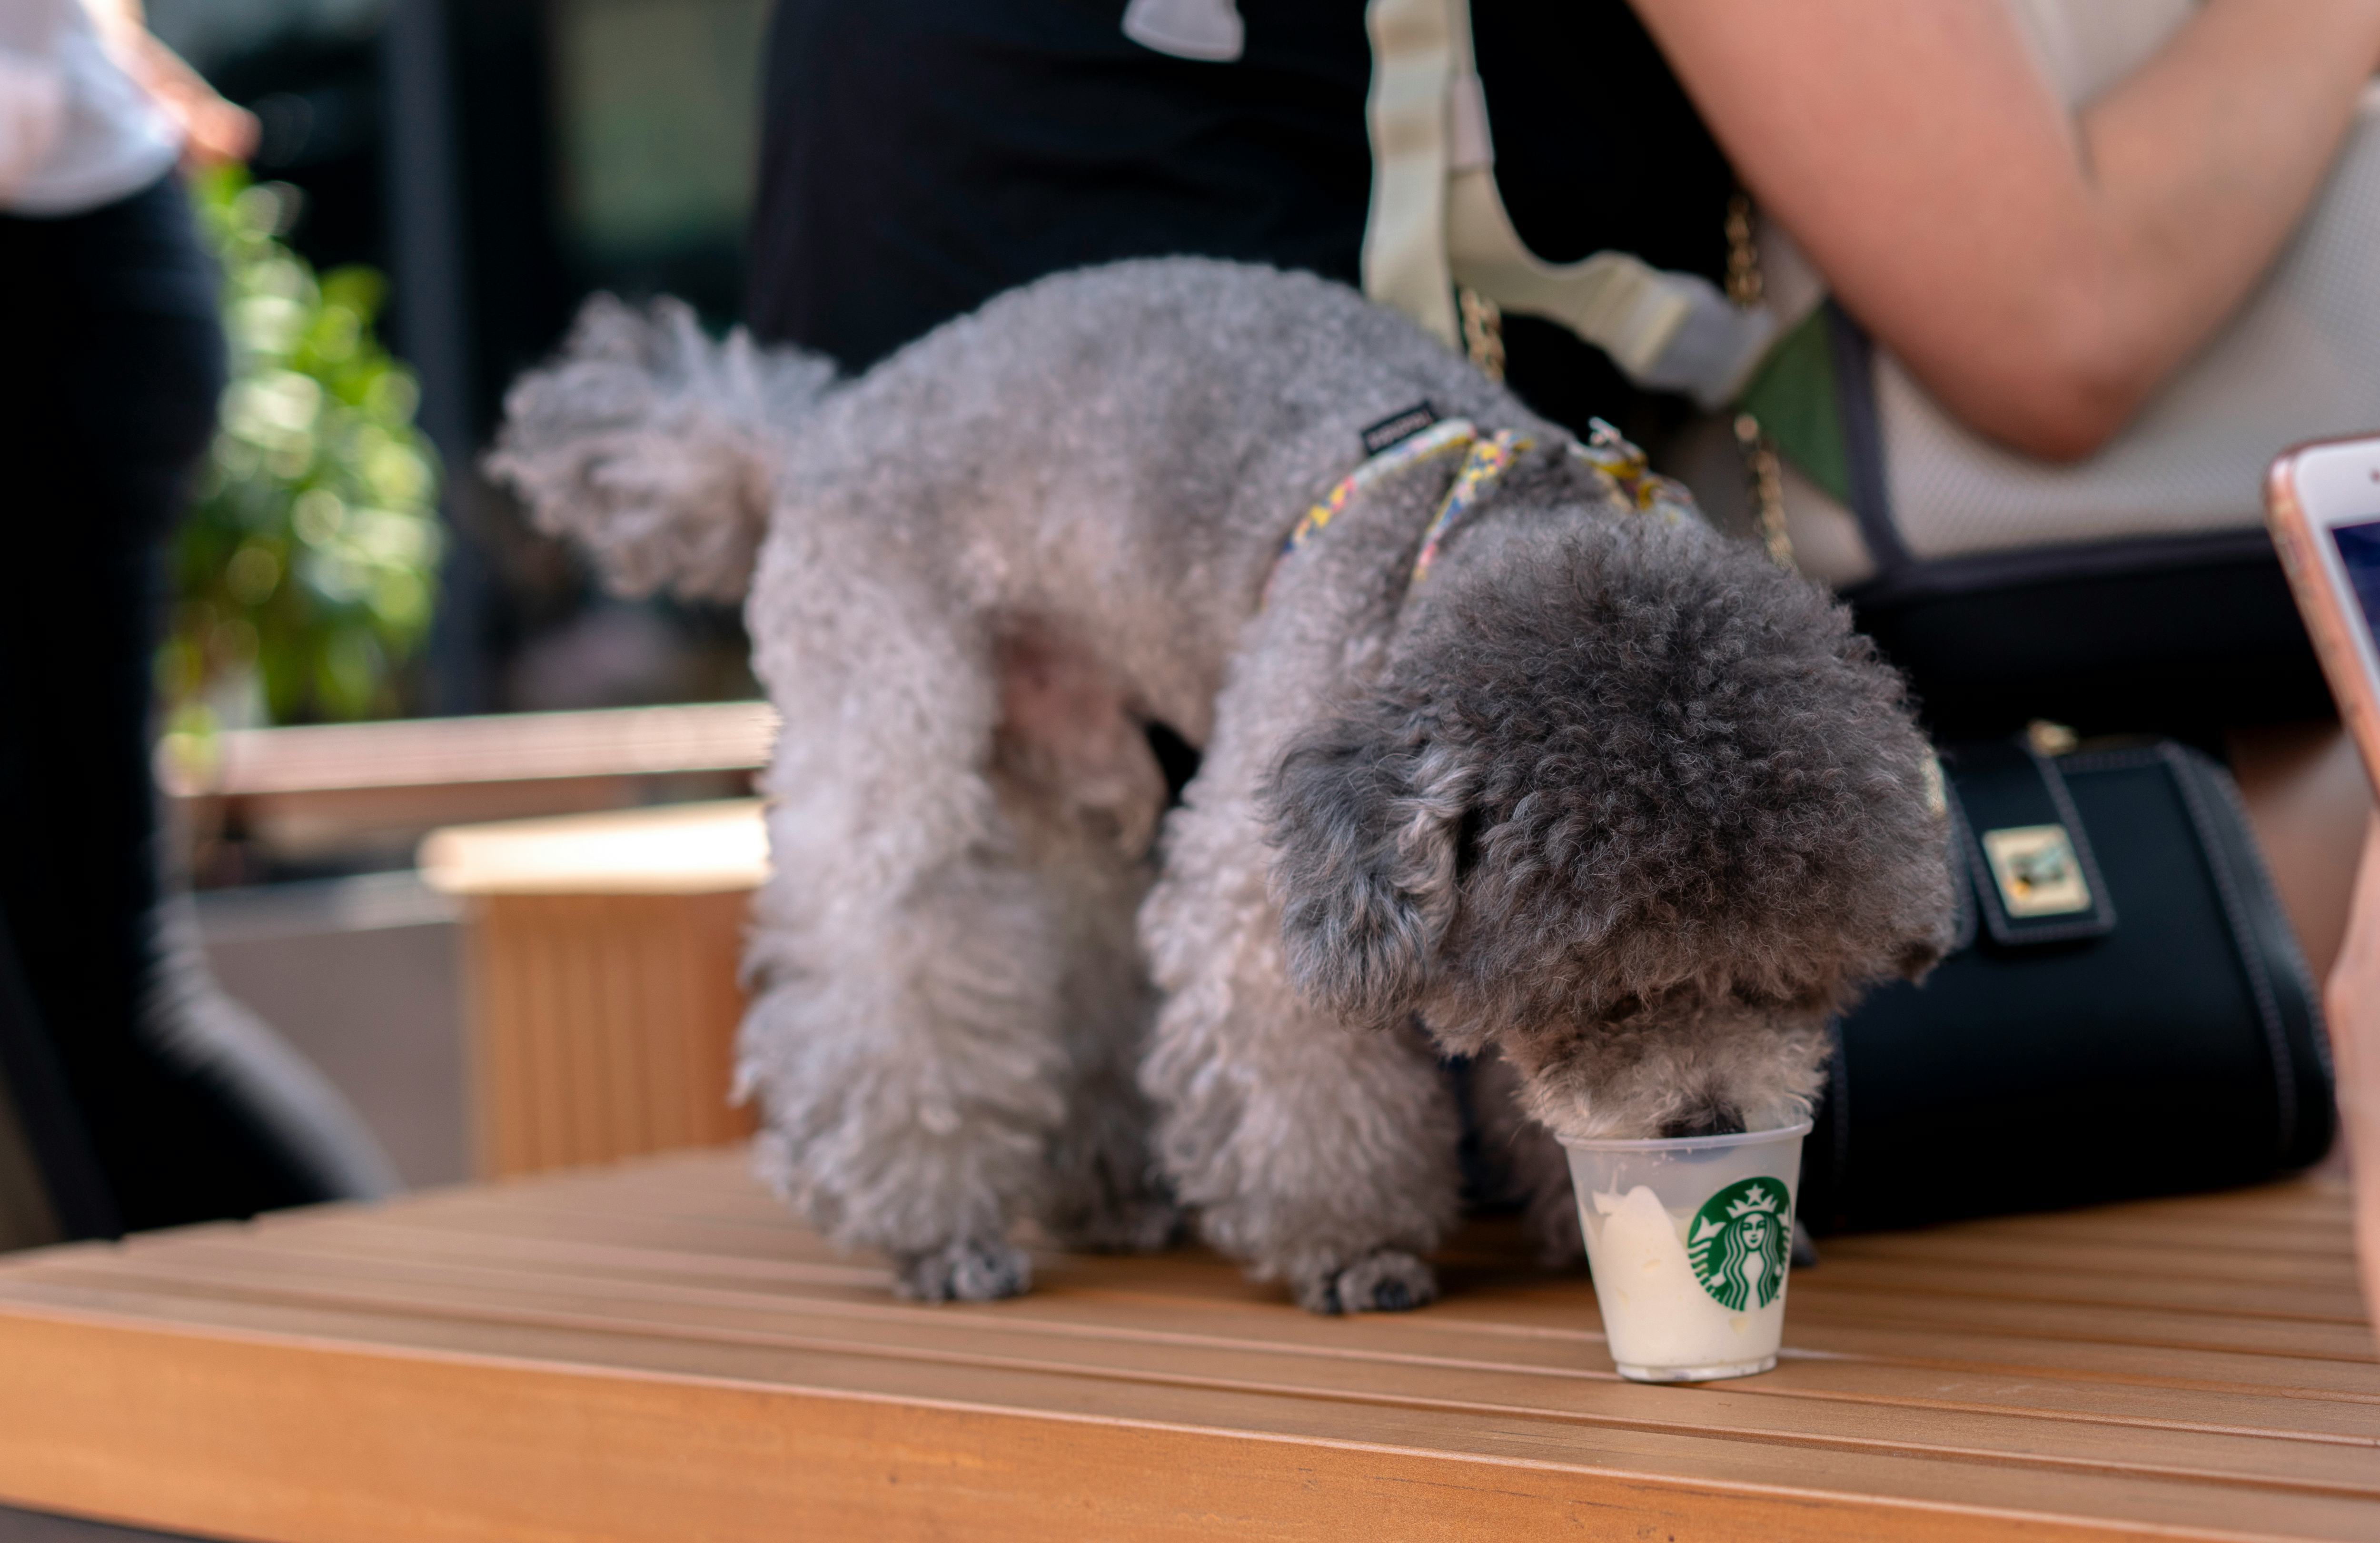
[1645,798]
[1616,801]
[654,448]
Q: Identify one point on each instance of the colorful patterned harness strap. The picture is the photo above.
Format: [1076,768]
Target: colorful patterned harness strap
[1610,452]
[1435,441]
[1486,459]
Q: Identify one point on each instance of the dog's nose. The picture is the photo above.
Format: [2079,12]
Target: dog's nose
[1709,1115]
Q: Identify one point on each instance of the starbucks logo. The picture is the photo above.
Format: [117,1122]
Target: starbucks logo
[1737,1243]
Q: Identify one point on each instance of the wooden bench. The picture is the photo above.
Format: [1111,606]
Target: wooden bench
[656,1351]
[342,791]
[602,1001]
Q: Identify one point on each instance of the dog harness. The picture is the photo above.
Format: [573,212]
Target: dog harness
[1486,458]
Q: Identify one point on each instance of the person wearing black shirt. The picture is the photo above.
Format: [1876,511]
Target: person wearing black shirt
[919,156]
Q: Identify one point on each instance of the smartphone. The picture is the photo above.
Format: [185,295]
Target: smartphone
[2323,502]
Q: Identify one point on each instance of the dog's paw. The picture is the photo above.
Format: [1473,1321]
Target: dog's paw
[1387,1282]
[968,1270]
[1142,1225]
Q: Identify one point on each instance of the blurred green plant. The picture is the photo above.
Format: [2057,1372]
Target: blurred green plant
[307,571]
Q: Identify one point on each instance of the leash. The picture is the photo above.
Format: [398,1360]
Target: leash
[1485,459]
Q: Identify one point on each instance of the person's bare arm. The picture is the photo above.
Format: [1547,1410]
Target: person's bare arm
[2040,274]
[2351,1002]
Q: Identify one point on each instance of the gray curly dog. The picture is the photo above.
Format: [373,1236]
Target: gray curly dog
[1604,800]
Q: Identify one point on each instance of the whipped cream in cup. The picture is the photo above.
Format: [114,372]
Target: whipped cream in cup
[1688,1239]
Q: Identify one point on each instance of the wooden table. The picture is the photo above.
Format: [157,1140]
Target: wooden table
[656,1352]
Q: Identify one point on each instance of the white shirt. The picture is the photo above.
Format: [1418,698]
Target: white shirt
[76,132]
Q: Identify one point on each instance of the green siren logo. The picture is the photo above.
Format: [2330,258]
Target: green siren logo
[1737,1243]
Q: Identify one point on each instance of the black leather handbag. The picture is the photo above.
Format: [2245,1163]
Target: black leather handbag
[2126,1012]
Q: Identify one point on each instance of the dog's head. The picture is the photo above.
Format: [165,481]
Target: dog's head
[1632,805]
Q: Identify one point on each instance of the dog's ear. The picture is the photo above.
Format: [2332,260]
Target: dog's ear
[1366,816]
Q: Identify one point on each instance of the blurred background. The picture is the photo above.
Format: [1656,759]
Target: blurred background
[548,148]
[438,185]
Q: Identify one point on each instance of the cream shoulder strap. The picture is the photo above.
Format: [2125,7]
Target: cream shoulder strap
[1435,221]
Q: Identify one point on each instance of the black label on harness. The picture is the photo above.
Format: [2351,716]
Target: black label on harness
[1398,427]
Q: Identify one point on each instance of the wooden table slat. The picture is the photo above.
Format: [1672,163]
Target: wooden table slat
[2321,1290]
[1450,1331]
[2113,1321]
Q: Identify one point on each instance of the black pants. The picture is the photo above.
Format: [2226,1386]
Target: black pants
[111,360]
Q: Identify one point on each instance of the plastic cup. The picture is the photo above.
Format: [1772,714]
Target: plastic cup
[1689,1240]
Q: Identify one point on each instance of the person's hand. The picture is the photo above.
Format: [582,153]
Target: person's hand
[2351,1002]
[213,130]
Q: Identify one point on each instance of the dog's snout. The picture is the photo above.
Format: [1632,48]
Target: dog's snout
[1709,1115]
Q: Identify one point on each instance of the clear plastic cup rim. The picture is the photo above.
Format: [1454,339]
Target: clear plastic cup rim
[1688,1143]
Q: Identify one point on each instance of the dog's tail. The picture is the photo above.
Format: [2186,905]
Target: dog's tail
[654,447]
